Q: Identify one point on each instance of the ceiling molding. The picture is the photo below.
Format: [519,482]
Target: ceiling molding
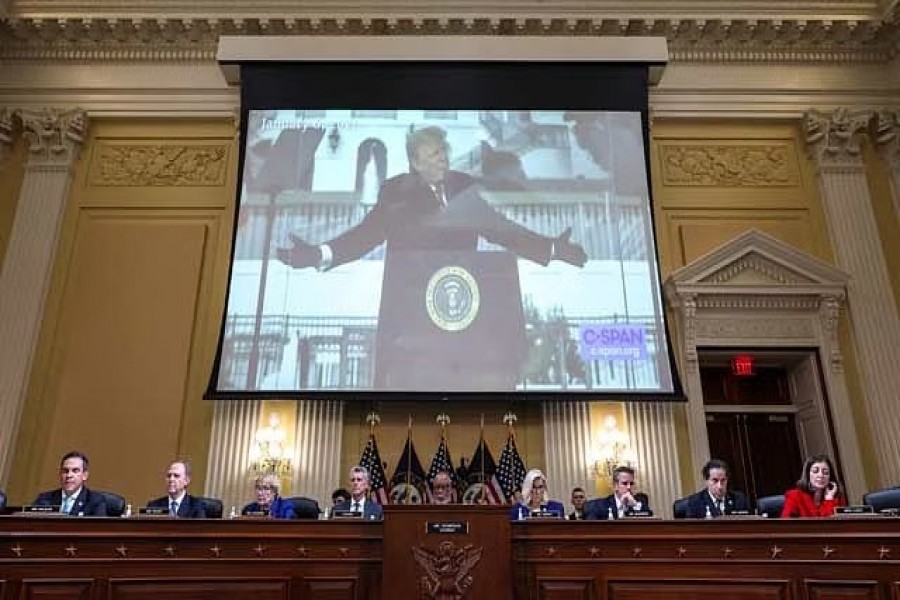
[690,40]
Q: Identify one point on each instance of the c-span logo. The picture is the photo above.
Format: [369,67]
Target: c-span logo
[452,298]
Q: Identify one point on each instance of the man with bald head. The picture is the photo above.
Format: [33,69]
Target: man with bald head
[442,488]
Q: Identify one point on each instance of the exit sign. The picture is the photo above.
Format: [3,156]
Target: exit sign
[742,365]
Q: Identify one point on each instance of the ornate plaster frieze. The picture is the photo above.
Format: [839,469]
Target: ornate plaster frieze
[755,268]
[886,134]
[755,328]
[751,302]
[726,165]
[158,165]
[833,138]
[143,36]
[54,136]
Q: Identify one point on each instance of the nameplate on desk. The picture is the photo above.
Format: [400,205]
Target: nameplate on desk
[639,514]
[34,509]
[544,514]
[447,527]
[255,513]
[739,513]
[889,512]
[154,511]
[345,513]
[856,509]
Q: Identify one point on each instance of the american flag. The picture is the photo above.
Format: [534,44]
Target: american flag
[442,462]
[483,463]
[371,460]
[511,471]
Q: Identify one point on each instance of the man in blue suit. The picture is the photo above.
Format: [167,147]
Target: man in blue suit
[716,499]
[177,501]
[359,501]
[622,502]
[73,497]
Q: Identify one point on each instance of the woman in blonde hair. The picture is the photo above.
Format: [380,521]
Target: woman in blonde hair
[535,498]
[267,499]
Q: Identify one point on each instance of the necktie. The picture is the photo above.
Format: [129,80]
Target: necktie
[439,194]
[173,509]
[356,507]
[721,506]
[67,504]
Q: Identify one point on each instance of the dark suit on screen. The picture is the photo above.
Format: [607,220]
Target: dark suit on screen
[598,509]
[190,507]
[372,511]
[87,504]
[422,236]
[698,503]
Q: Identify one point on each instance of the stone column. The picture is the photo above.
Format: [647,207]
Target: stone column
[887,142]
[55,139]
[317,449]
[833,144]
[228,476]
[567,447]
[6,130]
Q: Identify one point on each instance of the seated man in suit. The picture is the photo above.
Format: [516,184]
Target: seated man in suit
[339,496]
[267,499]
[178,502]
[716,499]
[622,502]
[73,497]
[442,488]
[578,499]
[359,501]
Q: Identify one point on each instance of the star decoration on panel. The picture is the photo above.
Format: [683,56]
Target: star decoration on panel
[775,551]
[71,550]
[122,551]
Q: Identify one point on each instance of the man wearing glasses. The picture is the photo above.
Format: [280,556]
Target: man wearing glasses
[442,489]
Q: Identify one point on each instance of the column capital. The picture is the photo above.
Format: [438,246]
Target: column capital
[886,134]
[832,138]
[55,136]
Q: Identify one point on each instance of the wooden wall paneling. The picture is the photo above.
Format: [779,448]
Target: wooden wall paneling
[56,589]
[818,589]
[691,589]
[213,588]
[565,588]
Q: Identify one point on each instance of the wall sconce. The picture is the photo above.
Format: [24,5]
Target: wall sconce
[334,139]
[268,455]
[615,449]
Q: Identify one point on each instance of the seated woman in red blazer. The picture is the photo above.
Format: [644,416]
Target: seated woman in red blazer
[817,493]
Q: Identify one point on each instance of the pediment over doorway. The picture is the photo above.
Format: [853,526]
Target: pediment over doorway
[757,263]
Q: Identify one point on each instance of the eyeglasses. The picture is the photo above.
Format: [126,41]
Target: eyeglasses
[263,488]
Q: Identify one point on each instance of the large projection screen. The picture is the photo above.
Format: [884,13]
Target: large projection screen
[444,229]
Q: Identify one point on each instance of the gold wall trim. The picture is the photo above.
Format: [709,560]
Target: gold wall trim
[130,165]
[727,165]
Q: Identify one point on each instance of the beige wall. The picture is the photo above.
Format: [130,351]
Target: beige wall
[132,320]
[12,160]
[712,180]
[131,325]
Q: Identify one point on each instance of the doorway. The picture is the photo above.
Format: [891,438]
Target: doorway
[765,424]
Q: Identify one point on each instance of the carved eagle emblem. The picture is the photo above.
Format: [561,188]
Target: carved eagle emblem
[447,570]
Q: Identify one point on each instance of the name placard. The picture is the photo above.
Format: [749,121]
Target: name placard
[154,511]
[639,514]
[447,527]
[856,509]
[41,509]
[255,513]
[345,513]
[544,514]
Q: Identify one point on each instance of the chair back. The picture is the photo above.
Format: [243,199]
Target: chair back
[680,508]
[212,507]
[304,508]
[115,504]
[2,499]
[883,499]
[770,506]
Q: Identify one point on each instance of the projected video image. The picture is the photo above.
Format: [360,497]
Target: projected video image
[444,251]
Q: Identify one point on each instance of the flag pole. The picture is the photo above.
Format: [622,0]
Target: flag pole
[408,458]
[483,482]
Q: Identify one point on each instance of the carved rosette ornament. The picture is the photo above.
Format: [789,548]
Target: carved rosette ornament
[54,136]
[829,311]
[833,138]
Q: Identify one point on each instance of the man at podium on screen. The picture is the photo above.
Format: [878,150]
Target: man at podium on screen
[450,317]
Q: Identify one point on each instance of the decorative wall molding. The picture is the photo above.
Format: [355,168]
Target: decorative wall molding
[83,34]
[134,165]
[726,165]
[886,135]
[6,130]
